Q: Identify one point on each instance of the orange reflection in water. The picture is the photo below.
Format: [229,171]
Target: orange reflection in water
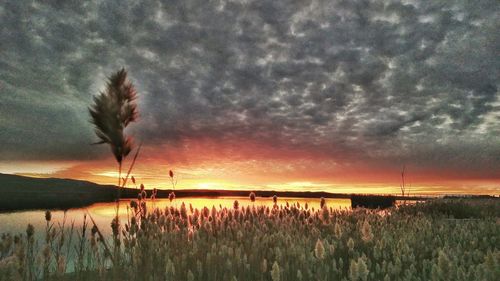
[108,210]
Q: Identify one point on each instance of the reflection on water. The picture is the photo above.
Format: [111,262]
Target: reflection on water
[103,213]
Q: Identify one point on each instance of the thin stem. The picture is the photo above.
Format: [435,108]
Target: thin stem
[101,237]
[131,165]
[119,172]
[119,188]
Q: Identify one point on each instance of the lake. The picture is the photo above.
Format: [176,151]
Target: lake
[103,213]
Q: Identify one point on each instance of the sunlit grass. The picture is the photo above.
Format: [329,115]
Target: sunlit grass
[255,242]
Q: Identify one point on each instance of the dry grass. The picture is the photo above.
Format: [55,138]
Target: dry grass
[261,243]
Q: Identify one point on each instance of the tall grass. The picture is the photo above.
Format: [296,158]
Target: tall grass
[113,110]
[279,243]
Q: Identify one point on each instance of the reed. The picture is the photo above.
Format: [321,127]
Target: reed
[260,243]
[112,111]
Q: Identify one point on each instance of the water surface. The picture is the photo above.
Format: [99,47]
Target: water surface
[103,213]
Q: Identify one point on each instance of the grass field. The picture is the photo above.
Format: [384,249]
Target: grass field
[437,240]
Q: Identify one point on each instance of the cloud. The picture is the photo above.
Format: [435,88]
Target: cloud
[361,81]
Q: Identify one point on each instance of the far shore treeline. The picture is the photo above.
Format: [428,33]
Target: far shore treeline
[21,193]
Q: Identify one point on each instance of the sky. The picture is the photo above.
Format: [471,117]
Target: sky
[295,95]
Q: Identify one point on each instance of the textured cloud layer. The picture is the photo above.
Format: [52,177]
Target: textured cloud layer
[374,82]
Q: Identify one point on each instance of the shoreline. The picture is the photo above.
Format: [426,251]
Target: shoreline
[25,193]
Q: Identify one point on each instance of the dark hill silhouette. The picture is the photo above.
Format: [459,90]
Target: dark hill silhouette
[19,192]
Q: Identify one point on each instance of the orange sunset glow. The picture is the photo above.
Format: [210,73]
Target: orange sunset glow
[203,165]
[239,100]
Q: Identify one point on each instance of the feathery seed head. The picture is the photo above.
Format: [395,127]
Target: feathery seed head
[48,215]
[275,272]
[112,112]
[252,196]
[319,250]
[30,230]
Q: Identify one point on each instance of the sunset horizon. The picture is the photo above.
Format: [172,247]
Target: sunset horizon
[253,95]
[250,177]
[249,140]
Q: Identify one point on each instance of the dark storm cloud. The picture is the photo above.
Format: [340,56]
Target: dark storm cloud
[386,81]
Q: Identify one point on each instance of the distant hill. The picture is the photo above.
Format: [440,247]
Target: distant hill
[19,192]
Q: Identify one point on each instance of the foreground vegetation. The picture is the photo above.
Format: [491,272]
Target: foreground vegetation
[437,240]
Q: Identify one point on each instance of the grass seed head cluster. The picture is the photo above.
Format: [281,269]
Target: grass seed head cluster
[286,242]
